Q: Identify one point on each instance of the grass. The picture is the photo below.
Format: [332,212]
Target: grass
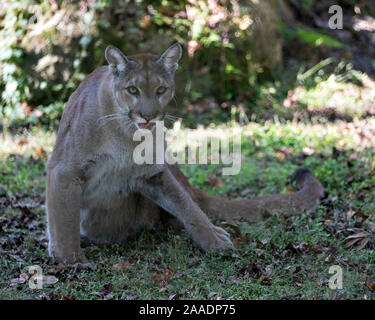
[281,258]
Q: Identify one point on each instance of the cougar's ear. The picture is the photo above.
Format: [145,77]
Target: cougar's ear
[170,57]
[116,59]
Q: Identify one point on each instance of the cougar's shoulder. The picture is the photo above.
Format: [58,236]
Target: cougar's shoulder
[84,99]
[75,134]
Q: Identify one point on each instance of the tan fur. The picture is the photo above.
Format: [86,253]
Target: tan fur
[95,189]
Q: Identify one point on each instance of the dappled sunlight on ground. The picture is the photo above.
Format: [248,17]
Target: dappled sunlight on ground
[278,258]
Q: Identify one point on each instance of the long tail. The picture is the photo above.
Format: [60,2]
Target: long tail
[308,196]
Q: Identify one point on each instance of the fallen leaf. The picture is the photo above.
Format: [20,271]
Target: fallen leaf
[174,296]
[122,266]
[105,290]
[363,243]
[161,277]
[370,284]
[15,281]
[359,238]
[265,280]
[241,240]
[236,229]
[250,269]
[23,277]
[304,247]
[350,213]
[214,181]
[50,280]
[351,242]
[259,252]
[370,225]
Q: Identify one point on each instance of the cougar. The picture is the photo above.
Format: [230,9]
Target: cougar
[95,189]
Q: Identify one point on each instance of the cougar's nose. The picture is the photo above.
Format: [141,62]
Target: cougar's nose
[148,118]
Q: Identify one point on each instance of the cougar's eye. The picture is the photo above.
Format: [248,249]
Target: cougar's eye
[161,90]
[132,90]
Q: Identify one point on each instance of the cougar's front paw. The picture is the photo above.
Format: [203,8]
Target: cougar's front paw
[214,239]
[71,259]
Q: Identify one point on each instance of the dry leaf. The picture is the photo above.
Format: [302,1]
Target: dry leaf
[122,266]
[370,284]
[307,247]
[350,213]
[251,268]
[15,281]
[360,238]
[161,277]
[351,242]
[241,240]
[214,181]
[370,225]
[363,243]
[236,229]
[50,280]
[21,279]
[260,252]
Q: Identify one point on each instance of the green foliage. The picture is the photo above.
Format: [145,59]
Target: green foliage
[26,84]
[232,53]
[317,38]
[48,48]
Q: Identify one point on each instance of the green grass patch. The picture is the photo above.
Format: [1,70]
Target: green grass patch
[280,258]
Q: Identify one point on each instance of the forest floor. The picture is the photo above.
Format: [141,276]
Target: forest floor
[281,258]
[321,117]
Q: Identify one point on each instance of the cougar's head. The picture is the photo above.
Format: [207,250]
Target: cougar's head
[143,84]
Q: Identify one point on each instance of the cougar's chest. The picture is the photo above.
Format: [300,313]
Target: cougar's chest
[107,179]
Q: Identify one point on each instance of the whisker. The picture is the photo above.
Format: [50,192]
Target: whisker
[175,100]
[109,116]
[172,118]
[118,117]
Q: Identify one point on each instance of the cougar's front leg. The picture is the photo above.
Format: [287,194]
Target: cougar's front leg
[169,194]
[63,209]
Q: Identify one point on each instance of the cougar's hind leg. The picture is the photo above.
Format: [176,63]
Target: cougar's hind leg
[148,214]
[170,220]
[116,224]
[105,225]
